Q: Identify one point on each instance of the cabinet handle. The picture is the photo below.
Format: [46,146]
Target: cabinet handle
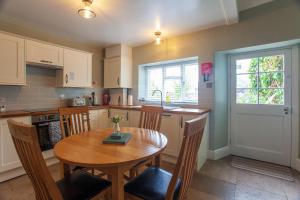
[108,114]
[67,78]
[118,81]
[181,122]
[167,115]
[46,61]
[127,116]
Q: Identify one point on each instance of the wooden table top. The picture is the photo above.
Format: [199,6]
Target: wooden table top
[87,149]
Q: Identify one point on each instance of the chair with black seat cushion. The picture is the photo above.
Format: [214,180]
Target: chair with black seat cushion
[158,184]
[77,186]
[150,118]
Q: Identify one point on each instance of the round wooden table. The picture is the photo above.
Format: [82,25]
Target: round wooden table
[87,150]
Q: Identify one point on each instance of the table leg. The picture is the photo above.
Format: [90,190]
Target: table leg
[157,160]
[117,184]
[64,170]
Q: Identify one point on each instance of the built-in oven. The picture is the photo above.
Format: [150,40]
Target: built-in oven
[48,130]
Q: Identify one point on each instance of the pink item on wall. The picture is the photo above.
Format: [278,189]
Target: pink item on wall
[206,70]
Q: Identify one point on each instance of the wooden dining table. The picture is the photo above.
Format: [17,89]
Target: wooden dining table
[87,150]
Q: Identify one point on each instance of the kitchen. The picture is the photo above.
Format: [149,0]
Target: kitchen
[51,70]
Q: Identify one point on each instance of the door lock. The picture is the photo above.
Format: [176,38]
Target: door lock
[286,110]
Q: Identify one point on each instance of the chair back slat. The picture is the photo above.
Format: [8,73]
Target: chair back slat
[74,120]
[28,149]
[151,117]
[193,132]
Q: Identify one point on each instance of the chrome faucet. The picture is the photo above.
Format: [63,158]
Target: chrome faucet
[161,96]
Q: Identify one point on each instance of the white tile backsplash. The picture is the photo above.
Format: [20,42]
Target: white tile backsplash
[40,91]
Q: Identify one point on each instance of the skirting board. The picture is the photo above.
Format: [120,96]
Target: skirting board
[219,153]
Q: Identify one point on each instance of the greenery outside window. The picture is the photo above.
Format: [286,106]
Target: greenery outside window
[260,80]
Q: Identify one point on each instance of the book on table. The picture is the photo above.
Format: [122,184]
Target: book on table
[117,138]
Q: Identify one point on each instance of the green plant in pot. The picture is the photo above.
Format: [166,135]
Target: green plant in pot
[116,123]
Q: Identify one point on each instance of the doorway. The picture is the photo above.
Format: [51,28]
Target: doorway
[261,106]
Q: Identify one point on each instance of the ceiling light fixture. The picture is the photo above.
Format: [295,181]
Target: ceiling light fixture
[87,12]
[157,39]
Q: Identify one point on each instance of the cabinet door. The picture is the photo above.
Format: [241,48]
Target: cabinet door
[123,113]
[134,118]
[12,60]
[171,128]
[40,53]
[183,119]
[112,72]
[103,119]
[9,157]
[93,114]
[77,69]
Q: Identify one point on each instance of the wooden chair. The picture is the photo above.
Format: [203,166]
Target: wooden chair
[77,186]
[150,118]
[74,120]
[158,184]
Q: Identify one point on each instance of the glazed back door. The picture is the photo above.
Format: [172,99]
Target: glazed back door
[260,106]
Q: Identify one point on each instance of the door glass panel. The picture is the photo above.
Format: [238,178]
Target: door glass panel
[260,80]
[271,63]
[246,96]
[271,80]
[246,65]
[246,81]
[271,96]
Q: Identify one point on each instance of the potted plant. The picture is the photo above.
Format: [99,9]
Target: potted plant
[116,123]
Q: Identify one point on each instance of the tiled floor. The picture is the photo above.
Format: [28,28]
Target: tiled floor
[217,180]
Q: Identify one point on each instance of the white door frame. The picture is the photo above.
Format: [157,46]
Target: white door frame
[295,160]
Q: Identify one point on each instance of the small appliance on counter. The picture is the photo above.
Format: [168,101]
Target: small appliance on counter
[78,101]
[130,100]
[106,99]
[95,99]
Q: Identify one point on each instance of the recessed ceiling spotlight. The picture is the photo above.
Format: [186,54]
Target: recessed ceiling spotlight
[87,12]
[157,37]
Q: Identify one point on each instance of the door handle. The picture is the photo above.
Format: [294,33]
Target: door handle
[286,110]
[67,79]
[118,81]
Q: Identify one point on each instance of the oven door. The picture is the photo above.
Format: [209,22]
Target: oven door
[43,135]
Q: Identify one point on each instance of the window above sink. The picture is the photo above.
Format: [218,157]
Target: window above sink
[177,79]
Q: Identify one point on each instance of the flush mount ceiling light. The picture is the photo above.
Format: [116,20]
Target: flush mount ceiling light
[87,12]
[157,39]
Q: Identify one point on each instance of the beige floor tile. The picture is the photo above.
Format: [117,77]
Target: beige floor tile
[194,194]
[245,192]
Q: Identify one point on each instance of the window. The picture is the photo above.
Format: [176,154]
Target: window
[260,80]
[176,79]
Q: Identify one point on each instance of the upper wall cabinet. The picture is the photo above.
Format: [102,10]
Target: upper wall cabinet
[39,53]
[118,67]
[12,61]
[77,69]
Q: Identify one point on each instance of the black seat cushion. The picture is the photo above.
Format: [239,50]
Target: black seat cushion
[81,186]
[152,184]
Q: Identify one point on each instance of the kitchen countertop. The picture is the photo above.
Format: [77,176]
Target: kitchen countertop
[20,113]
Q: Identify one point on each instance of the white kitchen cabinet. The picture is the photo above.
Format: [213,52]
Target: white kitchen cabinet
[12,60]
[77,69]
[170,126]
[134,118]
[99,119]
[122,113]
[9,157]
[118,69]
[38,53]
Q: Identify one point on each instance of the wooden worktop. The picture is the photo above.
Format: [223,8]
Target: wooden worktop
[20,113]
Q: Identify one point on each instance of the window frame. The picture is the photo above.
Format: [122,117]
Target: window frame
[164,65]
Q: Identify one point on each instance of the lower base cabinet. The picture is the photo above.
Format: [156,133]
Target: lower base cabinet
[10,165]
[99,118]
